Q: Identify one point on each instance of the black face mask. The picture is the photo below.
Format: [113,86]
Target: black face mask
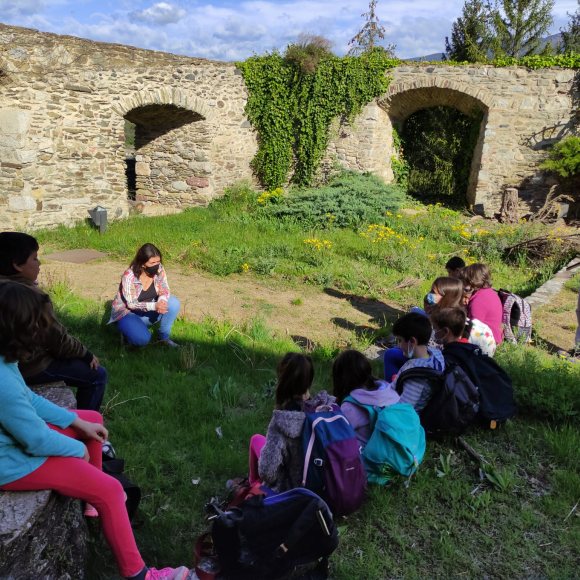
[151,270]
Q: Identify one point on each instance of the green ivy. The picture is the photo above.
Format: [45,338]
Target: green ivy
[399,164]
[534,61]
[292,109]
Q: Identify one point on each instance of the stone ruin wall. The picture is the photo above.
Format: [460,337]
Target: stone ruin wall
[524,112]
[62,141]
[64,100]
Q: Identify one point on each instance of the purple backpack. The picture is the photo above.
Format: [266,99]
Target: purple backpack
[516,317]
[332,462]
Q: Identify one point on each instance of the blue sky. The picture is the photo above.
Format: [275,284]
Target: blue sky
[231,30]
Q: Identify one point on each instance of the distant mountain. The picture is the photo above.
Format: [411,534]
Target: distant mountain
[553,39]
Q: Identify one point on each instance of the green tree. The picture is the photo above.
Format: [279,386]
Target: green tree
[518,26]
[371,35]
[470,36]
[571,35]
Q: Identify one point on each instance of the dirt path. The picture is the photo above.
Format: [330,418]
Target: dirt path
[303,312]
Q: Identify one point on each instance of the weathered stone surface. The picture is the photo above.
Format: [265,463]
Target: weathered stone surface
[197,182]
[62,118]
[42,534]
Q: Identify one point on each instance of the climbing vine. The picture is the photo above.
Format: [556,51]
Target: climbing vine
[292,108]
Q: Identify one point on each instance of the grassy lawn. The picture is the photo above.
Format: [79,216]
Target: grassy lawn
[515,518]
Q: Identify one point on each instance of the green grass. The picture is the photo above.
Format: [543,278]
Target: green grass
[163,408]
[395,258]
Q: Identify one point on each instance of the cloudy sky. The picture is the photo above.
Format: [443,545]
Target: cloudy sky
[236,29]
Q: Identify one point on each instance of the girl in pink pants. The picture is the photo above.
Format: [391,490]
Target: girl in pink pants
[43,446]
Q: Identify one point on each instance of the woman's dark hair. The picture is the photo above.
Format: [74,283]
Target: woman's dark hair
[15,248]
[476,276]
[144,254]
[24,320]
[455,263]
[413,325]
[351,370]
[452,318]
[295,375]
[450,290]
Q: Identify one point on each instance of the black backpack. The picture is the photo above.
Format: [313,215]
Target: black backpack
[268,537]
[115,468]
[454,401]
[495,387]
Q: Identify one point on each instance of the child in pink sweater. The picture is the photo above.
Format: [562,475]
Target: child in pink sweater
[484,303]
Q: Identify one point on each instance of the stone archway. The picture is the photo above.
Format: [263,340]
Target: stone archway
[173,135]
[406,98]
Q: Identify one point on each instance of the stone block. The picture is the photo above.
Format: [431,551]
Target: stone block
[143,169]
[179,186]
[198,182]
[21,203]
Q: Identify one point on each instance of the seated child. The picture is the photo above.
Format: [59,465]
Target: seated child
[413,332]
[454,266]
[352,375]
[43,446]
[58,356]
[277,460]
[494,385]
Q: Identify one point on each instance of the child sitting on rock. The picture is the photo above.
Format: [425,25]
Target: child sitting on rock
[413,332]
[352,375]
[46,447]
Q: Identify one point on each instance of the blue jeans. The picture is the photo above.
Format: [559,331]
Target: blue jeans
[135,325]
[393,360]
[75,372]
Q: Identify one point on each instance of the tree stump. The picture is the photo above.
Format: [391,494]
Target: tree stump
[509,213]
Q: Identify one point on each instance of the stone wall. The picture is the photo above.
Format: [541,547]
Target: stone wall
[64,102]
[62,115]
[524,112]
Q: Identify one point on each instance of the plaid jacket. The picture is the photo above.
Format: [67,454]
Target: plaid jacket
[126,299]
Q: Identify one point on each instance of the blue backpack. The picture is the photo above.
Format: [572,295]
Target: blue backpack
[397,442]
[332,462]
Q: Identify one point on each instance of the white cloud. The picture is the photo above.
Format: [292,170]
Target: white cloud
[161,13]
[11,8]
[233,30]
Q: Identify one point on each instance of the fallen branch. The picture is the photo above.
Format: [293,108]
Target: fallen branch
[472,452]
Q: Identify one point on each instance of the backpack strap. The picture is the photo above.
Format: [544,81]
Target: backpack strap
[428,373]
[370,409]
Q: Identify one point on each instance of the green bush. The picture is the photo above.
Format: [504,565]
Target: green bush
[347,201]
[564,158]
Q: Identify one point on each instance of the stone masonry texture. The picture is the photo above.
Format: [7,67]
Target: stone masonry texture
[64,103]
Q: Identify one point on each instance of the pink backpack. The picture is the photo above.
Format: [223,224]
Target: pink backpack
[516,317]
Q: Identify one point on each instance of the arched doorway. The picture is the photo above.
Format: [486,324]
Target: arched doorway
[171,155]
[425,117]
[437,144]
[167,157]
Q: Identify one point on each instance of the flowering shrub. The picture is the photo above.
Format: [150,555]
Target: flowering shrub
[273,196]
[318,244]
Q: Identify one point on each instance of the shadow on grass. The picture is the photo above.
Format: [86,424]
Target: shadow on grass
[185,415]
[378,311]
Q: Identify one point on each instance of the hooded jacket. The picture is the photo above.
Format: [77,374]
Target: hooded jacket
[282,459]
[383,396]
[58,343]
